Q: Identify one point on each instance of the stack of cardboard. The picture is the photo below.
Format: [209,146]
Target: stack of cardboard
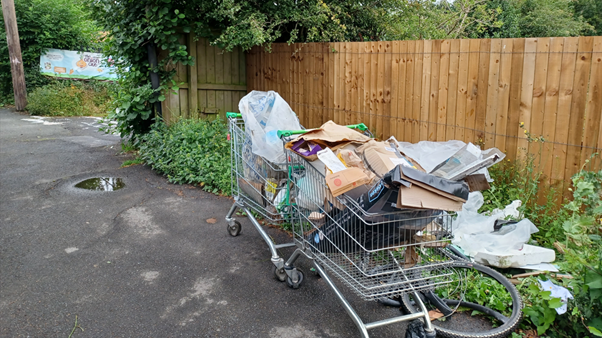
[354,162]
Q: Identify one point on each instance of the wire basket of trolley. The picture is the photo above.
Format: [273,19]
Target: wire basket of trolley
[374,219]
[260,173]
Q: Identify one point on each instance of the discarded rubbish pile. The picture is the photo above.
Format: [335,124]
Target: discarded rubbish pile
[378,215]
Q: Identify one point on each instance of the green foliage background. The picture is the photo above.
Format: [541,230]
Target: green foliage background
[62,24]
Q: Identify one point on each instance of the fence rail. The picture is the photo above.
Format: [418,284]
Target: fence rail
[500,93]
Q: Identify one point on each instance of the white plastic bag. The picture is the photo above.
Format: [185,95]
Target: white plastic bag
[264,114]
[473,232]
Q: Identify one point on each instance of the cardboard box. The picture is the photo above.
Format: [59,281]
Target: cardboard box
[419,197]
[345,180]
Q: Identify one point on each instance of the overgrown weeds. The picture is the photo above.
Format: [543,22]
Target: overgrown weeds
[71,98]
[190,151]
[574,230]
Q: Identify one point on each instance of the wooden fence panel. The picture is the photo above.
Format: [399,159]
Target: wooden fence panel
[212,86]
[476,91]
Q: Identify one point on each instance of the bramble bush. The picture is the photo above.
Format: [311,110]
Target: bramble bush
[190,151]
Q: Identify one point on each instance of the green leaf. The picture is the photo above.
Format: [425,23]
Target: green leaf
[161,98]
[555,303]
[594,331]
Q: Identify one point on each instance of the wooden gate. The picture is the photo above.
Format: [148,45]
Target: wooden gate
[209,88]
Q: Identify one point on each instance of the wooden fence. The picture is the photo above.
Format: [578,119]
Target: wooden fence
[212,86]
[493,92]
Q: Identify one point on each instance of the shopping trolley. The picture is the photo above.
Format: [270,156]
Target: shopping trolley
[378,255]
[259,188]
[262,188]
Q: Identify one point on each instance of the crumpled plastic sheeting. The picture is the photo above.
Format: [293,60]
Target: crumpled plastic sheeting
[430,154]
[473,232]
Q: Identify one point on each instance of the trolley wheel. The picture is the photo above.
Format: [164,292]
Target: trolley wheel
[491,323]
[234,229]
[279,273]
[290,283]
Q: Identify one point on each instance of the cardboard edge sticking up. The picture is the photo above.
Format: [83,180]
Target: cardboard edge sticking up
[345,180]
[421,198]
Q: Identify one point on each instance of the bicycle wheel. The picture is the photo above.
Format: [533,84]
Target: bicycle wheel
[478,303]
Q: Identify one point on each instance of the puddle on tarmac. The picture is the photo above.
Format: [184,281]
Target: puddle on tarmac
[101,184]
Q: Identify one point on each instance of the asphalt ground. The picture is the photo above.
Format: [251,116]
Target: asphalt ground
[142,261]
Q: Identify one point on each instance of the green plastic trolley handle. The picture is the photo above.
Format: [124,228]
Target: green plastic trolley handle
[232,115]
[287,133]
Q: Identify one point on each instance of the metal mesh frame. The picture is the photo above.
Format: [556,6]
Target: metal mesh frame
[251,174]
[376,255]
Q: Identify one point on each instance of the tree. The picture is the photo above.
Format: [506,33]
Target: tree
[43,24]
[540,18]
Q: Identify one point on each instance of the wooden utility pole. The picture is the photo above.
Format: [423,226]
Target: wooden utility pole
[14,53]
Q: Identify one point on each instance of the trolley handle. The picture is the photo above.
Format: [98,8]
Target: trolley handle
[232,115]
[288,133]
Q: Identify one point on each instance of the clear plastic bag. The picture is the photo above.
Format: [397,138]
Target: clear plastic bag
[474,232]
[264,114]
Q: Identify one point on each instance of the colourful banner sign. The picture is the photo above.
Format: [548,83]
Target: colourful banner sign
[76,65]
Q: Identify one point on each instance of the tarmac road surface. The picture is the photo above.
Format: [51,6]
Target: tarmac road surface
[141,261]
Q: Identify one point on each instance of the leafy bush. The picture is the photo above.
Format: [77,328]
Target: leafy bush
[575,231]
[71,98]
[190,151]
[43,24]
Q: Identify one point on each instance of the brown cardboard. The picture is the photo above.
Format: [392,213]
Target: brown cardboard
[333,133]
[330,135]
[378,156]
[477,182]
[345,180]
[419,197]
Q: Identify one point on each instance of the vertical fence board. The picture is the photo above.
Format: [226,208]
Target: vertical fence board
[472,90]
[565,99]
[504,94]
[461,92]
[452,90]
[373,84]
[551,105]
[389,121]
[492,92]
[594,102]
[515,98]
[380,84]
[443,87]
[400,97]
[539,94]
[425,89]
[580,87]
[527,93]
[395,88]
[409,91]
[482,83]
[417,94]
[433,96]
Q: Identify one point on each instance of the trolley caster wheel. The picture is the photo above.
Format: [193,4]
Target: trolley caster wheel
[292,285]
[234,229]
[279,273]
